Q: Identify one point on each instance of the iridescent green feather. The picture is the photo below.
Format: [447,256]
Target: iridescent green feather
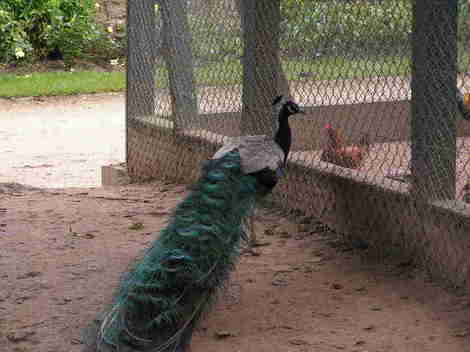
[162,298]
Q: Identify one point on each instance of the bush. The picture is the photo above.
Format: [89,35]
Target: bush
[464,24]
[332,27]
[317,27]
[14,43]
[40,28]
[219,42]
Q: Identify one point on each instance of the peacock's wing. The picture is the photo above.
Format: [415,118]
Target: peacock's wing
[256,152]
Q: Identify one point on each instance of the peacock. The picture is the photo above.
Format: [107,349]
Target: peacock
[164,295]
[265,157]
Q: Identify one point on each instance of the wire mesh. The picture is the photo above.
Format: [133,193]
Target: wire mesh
[383,74]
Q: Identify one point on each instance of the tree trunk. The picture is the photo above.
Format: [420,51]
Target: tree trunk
[179,61]
[263,78]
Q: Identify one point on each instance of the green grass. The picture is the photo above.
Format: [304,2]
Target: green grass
[221,73]
[60,83]
[342,68]
[230,72]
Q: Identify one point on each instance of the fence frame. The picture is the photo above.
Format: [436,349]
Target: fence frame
[353,208]
[140,69]
[434,80]
[433,154]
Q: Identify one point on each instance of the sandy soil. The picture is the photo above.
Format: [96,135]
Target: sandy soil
[62,252]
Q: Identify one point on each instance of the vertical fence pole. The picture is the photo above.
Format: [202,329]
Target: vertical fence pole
[433,103]
[140,77]
[262,71]
[179,61]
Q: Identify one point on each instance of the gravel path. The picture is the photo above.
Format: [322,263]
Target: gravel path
[61,141]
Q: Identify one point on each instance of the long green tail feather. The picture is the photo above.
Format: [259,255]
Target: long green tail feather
[162,298]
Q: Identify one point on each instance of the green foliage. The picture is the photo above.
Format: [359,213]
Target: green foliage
[219,41]
[330,27]
[464,24]
[13,38]
[311,28]
[36,28]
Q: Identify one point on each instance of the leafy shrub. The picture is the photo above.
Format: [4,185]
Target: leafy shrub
[464,24]
[39,28]
[14,41]
[317,27]
[330,27]
[220,39]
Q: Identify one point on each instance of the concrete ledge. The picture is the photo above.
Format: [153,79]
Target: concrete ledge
[387,121]
[383,214]
[156,151]
[114,175]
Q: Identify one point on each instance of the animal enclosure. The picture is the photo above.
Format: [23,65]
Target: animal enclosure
[385,72]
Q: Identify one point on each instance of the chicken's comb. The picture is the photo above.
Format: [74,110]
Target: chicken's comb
[328,126]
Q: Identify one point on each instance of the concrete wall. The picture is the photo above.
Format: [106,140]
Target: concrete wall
[157,153]
[382,213]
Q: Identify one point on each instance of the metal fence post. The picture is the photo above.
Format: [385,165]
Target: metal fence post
[140,84]
[262,70]
[179,61]
[433,103]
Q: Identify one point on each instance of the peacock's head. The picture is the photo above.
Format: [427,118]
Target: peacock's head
[287,107]
[291,108]
[278,100]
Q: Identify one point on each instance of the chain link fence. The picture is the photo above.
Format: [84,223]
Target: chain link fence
[383,74]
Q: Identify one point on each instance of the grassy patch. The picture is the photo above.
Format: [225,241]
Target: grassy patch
[215,74]
[60,83]
[342,68]
[230,72]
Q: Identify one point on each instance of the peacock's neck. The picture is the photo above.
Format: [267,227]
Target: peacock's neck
[283,136]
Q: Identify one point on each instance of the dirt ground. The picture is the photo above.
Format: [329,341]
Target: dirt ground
[62,252]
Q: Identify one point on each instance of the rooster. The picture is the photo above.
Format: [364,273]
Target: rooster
[463,103]
[336,152]
[466,192]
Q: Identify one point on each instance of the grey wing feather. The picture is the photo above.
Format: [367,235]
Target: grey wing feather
[256,152]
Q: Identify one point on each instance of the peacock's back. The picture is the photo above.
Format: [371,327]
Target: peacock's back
[256,152]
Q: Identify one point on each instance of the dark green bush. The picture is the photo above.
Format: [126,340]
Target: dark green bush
[464,24]
[312,28]
[331,27]
[318,27]
[32,29]
[14,42]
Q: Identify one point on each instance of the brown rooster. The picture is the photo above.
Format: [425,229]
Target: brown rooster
[466,192]
[336,152]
